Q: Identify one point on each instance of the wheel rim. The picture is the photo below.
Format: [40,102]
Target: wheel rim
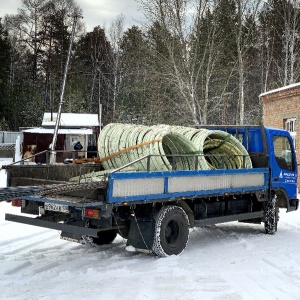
[172,232]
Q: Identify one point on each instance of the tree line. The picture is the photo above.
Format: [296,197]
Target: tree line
[192,62]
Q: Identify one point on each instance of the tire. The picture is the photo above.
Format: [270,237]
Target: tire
[105,237]
[171,231]
[271,216]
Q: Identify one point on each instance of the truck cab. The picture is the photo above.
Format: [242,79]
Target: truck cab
[273,148]
[283,169]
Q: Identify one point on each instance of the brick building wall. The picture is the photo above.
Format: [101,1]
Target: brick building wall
[280,105]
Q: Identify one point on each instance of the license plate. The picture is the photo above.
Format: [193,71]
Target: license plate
[56,207]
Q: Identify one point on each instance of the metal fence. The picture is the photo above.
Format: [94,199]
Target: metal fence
[8,137]
[7,143]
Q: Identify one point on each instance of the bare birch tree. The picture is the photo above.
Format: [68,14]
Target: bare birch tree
[245,9]
[115,35]
[26,26]
[280,23]
[185,65]
[291,45]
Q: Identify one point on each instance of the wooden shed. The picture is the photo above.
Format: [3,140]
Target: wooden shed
[73,128]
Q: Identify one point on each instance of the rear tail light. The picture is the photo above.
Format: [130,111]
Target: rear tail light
[18,202]
[92,213]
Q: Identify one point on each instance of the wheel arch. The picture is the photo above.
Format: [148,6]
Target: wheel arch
[188,211]
[283,200]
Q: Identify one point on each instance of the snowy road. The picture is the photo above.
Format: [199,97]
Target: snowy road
[228,261]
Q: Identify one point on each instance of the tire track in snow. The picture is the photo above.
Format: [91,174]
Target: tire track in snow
[32,268]
[281,270]
[18,268]
[68,257]
[24,238]
[236,234]
[45,268]
[244,283]
[27,246]
[277,288]
[30,243]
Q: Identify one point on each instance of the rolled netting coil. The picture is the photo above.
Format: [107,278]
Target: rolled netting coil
[170,147]
[215,149]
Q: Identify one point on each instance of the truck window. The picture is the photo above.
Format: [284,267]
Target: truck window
[283,152]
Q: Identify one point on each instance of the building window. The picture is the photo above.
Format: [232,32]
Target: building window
[290,125]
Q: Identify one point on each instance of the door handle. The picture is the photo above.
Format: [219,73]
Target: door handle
[275,178]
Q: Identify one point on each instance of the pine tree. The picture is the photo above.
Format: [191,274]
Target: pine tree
[5,61]
[92,68]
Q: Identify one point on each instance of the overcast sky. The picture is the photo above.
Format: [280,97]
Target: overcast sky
[95,12]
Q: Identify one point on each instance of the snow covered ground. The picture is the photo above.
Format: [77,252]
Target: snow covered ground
[230,261]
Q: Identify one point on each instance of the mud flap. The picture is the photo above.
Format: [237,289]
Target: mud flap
[293,205]
[141,234]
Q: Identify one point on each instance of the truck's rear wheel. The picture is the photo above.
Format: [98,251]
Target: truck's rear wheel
[171,231]
[271,216]
[105,237]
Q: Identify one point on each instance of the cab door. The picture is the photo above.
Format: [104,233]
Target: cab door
[283,162]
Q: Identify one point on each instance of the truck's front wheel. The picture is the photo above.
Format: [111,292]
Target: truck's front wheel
[271,216]
[171,231]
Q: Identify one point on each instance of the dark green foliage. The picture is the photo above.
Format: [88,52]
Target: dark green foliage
[93,72]
[5,61]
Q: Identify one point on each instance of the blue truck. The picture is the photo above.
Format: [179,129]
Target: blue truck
[154,210]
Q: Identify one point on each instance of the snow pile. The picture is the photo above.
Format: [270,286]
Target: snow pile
[4,161]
